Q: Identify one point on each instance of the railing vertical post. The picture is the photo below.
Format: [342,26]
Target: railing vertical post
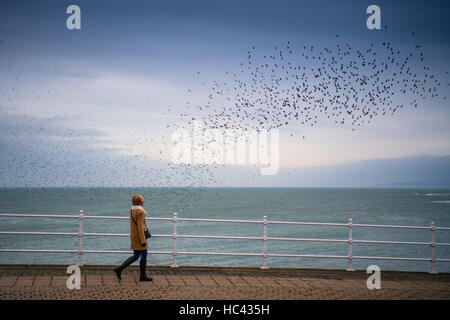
[264,266]
[80,237]
[433,249]
[175,236]
[350,245]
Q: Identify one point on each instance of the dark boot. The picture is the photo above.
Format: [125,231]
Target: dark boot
[143,277]
[119,270]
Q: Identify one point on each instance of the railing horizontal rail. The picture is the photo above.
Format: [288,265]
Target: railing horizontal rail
[123,235]
[306,256]
[126,218]
[106,217]
[31,233]
[219,220]
[24,215]
[88,234]
[393,242]
[309,223]
[124,251]
[219,237]
[391,258]
[220,253]
[442,244]
[94,234]
[38,215]
[83,251]
[39,250]
[388,226]
[307,240]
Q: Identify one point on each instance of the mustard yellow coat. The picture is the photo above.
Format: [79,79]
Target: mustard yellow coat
[137,236]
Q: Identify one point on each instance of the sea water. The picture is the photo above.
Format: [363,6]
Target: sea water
[415,207]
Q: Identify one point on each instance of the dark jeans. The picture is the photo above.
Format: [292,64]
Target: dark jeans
[137,253]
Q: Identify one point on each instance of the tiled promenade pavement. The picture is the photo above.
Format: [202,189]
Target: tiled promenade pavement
[201,283]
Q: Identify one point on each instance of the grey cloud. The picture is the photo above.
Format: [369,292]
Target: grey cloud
[25,125]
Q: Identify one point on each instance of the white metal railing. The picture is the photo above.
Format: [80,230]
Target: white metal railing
[264,238]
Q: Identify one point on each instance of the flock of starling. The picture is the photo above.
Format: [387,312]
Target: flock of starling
[296,86]
[302,85]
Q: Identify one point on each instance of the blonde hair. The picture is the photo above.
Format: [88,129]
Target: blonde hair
[137,200]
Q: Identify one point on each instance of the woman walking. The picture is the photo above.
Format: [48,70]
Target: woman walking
[137,238]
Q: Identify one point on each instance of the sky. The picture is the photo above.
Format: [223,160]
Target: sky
[97,106]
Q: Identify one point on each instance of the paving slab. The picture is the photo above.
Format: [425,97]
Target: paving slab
[8,281]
